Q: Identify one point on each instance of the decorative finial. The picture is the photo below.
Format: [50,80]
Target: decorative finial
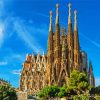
[50,27]
[75,20]
[69,5]
[69,16]
[32,56]
[27,56]
[51,13]
[75,12]
[57,15]
[57,5]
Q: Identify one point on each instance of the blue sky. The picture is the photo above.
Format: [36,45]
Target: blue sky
[24,29]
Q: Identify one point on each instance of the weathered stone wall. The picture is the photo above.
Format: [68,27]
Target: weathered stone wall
[22,95]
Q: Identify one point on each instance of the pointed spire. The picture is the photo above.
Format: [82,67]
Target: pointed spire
[69,15]
[57,14]
[91,75]
[33,56]
[27,56]
[90,67]
[76,38]
[50,26]
[69,20]
[75,20]
[63,31]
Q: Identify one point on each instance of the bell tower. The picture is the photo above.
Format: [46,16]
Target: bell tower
[50,41]
[57,48]
[91,75]
[50,54]
[70,40]
[77,62]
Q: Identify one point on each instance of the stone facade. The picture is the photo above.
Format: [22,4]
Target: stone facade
[22,96]
[84,61]
[63,55]
[91,75]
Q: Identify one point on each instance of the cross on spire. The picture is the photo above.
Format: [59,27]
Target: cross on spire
[75,20]
[69,16]
[50,27]
[57,15]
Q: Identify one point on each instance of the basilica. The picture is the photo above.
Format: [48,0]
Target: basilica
[63,56]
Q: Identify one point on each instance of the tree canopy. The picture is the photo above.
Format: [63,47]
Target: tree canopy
[97,90]
[78,81]
[7,93]
[77,85]
[49,91]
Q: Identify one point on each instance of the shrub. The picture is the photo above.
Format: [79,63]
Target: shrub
[81,97]
[76,98]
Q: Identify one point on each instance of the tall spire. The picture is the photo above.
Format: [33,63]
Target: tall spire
[57,48]
[57,14]
[69,19]
[76,38]
[63,31]
[50,40]
[77,61]
[50,26]
[91,75]
[70,40]
[57,29]
[75,20]
[90,67]
[69,15]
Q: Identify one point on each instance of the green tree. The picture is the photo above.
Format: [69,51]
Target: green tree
[48,92]
[62,92]
[7,93]
[78,82]
[78,87]
[97,90]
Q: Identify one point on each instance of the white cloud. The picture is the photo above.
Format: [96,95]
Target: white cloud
[18,56]
[14,57]
[3,63]
[16,71]
[29,34]
[10,58]
[93,42]
[23,34]
[3,19]
[97,81]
